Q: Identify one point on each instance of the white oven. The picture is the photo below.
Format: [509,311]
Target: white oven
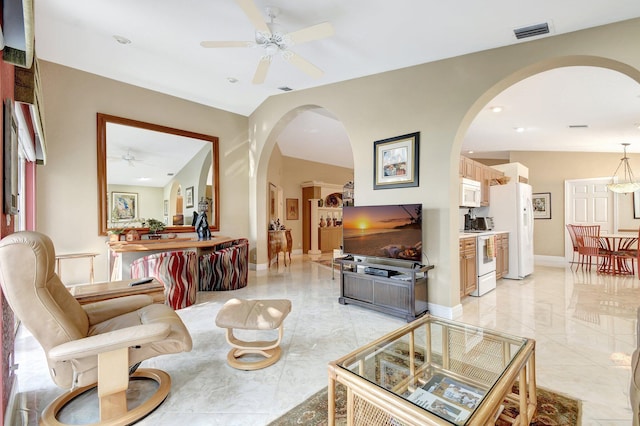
[485,263]
[469,193]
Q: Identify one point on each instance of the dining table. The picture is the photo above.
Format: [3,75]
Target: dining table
[616,244]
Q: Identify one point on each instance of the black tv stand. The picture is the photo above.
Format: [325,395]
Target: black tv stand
[397,288]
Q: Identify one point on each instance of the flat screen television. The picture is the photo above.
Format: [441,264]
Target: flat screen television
[393,232]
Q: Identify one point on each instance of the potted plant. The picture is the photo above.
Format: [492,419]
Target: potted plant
[155,226]
[114,234]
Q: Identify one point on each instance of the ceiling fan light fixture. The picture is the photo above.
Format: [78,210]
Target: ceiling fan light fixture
[271,49]
[122,40]
[628,183]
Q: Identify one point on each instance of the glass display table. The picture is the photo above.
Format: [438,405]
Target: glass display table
[437,372]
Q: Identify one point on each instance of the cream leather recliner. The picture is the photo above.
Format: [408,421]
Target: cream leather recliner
[98,343]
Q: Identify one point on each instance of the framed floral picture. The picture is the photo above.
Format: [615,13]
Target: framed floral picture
[395,161]
[124,206]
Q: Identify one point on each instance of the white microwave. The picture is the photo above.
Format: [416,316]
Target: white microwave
[470,193]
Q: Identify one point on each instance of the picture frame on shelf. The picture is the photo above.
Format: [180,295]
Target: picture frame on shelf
[124,206]
[188,197]
[541,205]
[395,162]
[292,209]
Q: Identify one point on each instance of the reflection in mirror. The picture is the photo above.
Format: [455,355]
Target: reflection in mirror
[147,171]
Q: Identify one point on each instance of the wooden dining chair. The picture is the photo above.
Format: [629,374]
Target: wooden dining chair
[588,242]
[632,254]
[572,234]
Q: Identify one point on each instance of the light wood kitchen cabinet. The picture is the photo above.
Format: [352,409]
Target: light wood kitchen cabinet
[484,186]
[330,238]
[475,170]
[468,168]
[502,254]
[468,274]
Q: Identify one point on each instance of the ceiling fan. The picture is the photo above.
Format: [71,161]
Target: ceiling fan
[128,157]
[272,38]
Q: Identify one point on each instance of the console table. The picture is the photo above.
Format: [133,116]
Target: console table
[125,252]
[397,288]
[279,241]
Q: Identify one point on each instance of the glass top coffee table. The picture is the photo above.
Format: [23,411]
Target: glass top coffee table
[437,372]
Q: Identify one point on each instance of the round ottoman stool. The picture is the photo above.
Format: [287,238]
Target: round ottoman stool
[253,315]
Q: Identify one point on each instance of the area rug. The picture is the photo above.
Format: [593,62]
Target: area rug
[553,409]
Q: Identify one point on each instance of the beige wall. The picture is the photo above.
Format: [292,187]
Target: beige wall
[548,172]
[67,203]
[440,100]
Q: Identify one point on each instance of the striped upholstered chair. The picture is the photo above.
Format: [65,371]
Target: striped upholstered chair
[176,270]
[225,268]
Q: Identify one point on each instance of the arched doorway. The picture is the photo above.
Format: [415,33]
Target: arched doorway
[617,82]
[308,143]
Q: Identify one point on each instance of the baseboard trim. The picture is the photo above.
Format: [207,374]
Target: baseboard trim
[557,261]
[445,312]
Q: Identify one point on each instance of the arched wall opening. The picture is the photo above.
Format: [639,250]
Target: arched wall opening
[261,217]
[513,79]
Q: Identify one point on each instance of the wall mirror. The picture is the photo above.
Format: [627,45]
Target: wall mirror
[147,171]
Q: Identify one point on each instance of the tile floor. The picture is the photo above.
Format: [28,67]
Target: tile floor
[583,323]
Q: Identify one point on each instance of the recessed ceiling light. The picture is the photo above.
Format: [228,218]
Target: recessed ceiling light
[519,129]
[496,109]
[122,40]
[144,179]
[469,152]
[232,79]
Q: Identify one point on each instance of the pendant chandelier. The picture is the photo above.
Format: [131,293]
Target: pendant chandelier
[628,182]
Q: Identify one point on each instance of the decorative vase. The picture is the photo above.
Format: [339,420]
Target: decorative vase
[114,238]
[322,222]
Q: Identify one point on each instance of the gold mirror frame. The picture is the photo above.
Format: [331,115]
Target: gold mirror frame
[103,202]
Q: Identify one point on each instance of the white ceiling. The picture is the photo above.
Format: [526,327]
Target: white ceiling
[371,36]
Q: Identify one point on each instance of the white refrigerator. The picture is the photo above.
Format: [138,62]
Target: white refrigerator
[512,210]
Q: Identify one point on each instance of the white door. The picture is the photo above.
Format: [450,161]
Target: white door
[588,202]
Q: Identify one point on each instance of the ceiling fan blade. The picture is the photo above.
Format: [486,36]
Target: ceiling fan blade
[226,43]
[303,65]
[254,15]
[314,32]
[261,71]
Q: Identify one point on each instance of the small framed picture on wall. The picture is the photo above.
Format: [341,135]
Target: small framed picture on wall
[542,205]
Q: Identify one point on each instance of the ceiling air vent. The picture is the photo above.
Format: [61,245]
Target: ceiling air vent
[285,89]
[578,126]
[531,31]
